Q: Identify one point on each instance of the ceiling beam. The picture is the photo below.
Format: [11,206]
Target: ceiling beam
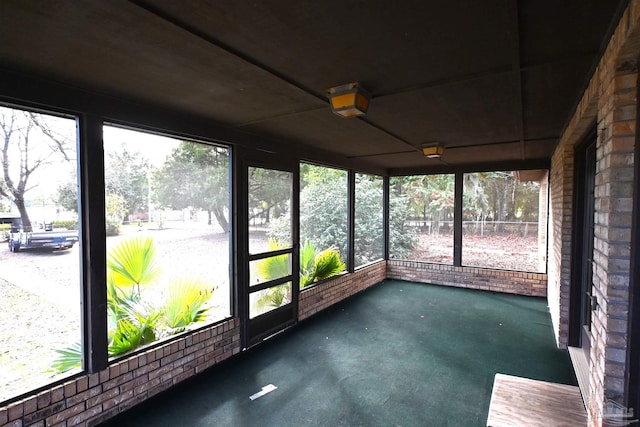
[446,81]
[158,12]
[464,146]
[506,165]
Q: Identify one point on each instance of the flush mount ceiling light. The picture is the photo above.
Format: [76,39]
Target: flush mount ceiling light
[432,150]
[349,100]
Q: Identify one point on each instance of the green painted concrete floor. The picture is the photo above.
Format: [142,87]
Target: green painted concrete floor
[398,354]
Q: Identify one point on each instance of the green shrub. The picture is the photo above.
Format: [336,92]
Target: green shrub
[69,225]
[112,226]
[4,232]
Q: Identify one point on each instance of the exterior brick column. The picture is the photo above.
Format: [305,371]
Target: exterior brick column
[613,210]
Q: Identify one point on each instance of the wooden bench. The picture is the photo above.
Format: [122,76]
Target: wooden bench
[517,401]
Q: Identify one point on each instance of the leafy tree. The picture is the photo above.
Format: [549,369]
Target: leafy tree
[115,209]
[369,221]
[324,214]
[324,209]
[67,196]
[195,176]
[269,193]
[28,142]
[402,239]
[126,176]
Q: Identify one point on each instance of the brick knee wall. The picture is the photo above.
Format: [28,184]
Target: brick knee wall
[512,282]
[93,398]
[325,294]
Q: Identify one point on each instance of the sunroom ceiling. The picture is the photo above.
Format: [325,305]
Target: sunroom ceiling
[491,80]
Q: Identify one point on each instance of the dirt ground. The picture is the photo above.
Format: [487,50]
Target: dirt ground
[508,252]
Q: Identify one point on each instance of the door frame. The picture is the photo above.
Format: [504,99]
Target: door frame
[632,374]
[576,290]
[254,331]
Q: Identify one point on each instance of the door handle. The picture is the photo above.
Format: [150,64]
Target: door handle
[593,301]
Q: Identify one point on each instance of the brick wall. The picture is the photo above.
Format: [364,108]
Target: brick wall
[614,201]
[91,399]
[611,100]
[513,282]
[323,295]
[559,237]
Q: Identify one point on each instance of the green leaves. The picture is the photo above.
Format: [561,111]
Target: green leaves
[307,261]
[132,331]
[314,266]
[134,317]
[185,302]
[273,267]
[132,262]
[327,264]
[68,358]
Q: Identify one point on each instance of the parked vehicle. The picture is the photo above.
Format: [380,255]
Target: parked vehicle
[47,238]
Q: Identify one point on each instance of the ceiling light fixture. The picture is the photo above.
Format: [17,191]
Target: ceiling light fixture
[432,150]
[349,100]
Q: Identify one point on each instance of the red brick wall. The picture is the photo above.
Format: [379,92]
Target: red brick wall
[513,282]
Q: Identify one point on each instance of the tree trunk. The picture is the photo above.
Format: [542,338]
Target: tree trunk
[503,207]
[26,222]
[209,217]
[222,221]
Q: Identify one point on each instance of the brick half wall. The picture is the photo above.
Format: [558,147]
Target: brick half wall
[93,398]
[511,282]
[325,294]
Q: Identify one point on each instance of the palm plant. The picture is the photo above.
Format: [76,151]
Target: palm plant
[134,321]
[185,302]
[314,267]
[273,267]
[307,258]
[326,264]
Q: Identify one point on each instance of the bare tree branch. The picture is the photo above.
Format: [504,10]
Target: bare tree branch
[59,141]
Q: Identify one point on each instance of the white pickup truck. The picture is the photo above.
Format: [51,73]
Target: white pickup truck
[48,238]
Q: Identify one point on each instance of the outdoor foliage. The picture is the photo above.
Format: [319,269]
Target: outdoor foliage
[496,205]
[369,221]
[195,176]
[314,267]
[4,232]
[126,175]
[67,196]
[115,209]
[324,214]
[140,308]
[499,196]
[273,267]
[269,199]
[69,225]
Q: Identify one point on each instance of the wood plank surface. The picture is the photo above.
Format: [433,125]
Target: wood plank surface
[517,401]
